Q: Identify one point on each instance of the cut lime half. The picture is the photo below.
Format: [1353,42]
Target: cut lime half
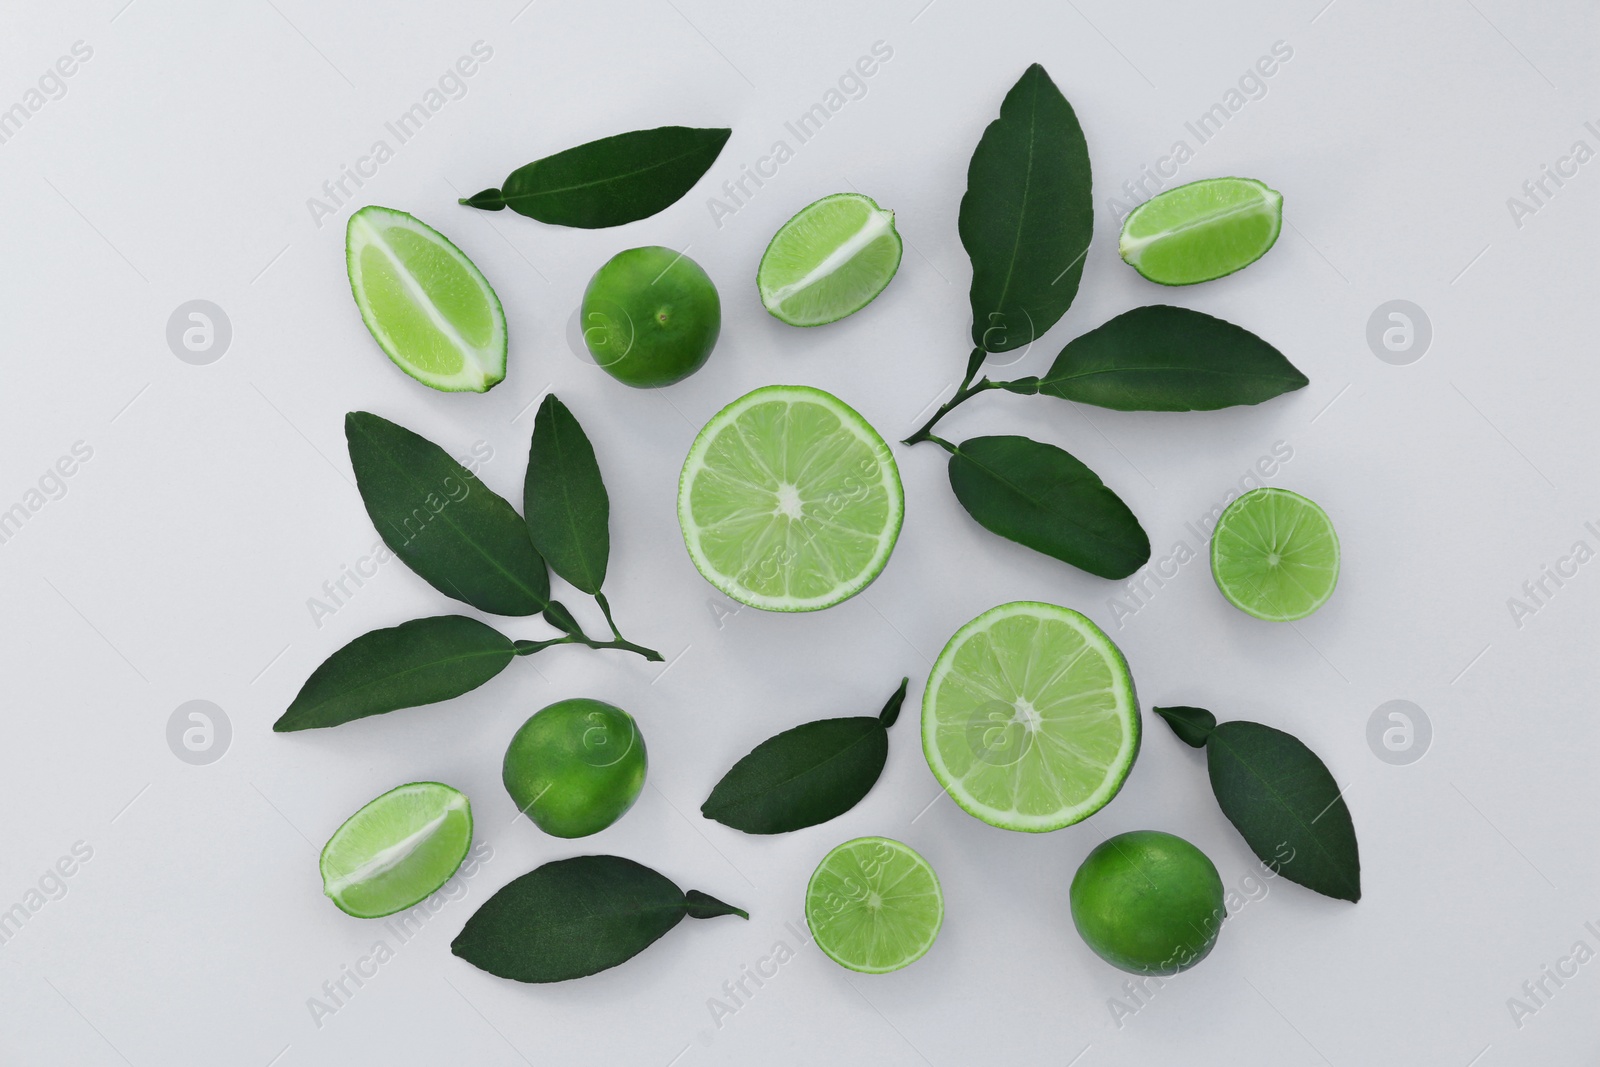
[1029,720]
[830,260]
[874,905]
[789,501]
[1202,230]
[1274,555]
[425,303]
[398,850]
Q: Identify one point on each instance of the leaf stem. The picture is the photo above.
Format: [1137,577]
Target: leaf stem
[966,391]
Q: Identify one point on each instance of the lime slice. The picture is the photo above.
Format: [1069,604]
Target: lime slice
[1202,230]
[1274,555]
[874,905]
[398,850]
[427,306]
[1029,720]
[829,261]
[789,501]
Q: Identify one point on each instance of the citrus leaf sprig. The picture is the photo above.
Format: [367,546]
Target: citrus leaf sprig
[1026,221]
[1278,794]
[807,775]
[575,917]
[469,543]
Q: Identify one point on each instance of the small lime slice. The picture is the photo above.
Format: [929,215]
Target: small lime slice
[789,500]
[1029,720]
[427,306]
[1202,230]
[874,905]
[829,261]
[398,850]
[1274,555]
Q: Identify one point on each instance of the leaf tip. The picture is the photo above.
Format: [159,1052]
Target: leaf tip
[891,709]
[1192,725]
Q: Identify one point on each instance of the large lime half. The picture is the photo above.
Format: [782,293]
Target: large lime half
[1202,230]
[789,501]
[874,905]
[1274,555]
[830,260]
[397,850]
[1029,720]
[425,303]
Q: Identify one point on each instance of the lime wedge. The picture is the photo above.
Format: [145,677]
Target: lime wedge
[1274,555]
[874,905]
[398,850]
[829,261]
[427,306]
[1202,230]
[789,501]
[1029,720]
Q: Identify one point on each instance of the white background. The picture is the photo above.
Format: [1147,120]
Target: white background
[178,565]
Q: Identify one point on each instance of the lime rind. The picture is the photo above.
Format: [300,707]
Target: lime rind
[398,850]
[1202,231]
[1275,555]
[789,500]
[874,905]
[1030,720]
[426,304]
[829,261]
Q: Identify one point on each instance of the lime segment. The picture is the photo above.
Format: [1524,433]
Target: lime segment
[1202,230]
[789,500]
[427,306]
[398,850]
[874,905]
[1029,720]
[1274,555]
[830,260]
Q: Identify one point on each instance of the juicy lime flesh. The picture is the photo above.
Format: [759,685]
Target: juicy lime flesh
[789,501]
[1202,230]
[576,767]
[1148,902]
[397,850]
[430,310]
[650,316]
[874,905]
[1274,555]
[1029,718]
[830,260]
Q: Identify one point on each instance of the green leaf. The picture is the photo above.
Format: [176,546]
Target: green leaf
[1041,496]
[564,499]
[419,662]
[1287,806]
[1027,216]
[806,775]
[461,537]
[610,181]
[1162,358]
[575,917]
[1192,725]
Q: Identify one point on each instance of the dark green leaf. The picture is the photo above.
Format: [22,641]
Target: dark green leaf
[461,537]
[1287,806]
[488,200]
[1041,496]
[1162,358]
[1027,215]
[610,181]
[558,616]
[574,917]
[806,775]
[1192,725]
[564,498]
[419,662]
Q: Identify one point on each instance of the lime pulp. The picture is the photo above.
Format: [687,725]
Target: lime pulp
[1275,555]
[874,905]
[830,260]
[1202,230]
[397,850]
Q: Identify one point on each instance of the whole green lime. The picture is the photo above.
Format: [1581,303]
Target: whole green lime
[1148,902]
[575,767]
[650,316]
